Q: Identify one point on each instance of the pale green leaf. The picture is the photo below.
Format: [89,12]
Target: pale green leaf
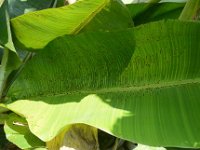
[140,84]
[17,132]
[1,2]
[145,147]
[35,30]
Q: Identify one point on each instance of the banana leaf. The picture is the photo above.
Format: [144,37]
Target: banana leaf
[35,30]
[140,84]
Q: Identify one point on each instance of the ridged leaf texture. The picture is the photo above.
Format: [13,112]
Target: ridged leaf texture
[35,30]
[140,84]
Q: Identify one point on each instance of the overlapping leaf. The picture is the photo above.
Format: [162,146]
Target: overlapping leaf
[140,84]
[10,60]
[17,131]
[37,29]
[158,11]
[5,38]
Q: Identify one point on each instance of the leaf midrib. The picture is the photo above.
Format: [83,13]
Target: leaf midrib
[89,17]
[81,24]
[159,85]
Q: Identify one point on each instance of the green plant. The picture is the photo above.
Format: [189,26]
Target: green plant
[68,71]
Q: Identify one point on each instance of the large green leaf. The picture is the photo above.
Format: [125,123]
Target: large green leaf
[157,12]
[17,132]
[140,84]
[35,30]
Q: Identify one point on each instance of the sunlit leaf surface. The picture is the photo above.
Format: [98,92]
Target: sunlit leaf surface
[35,30]
[17,132]
[140,84]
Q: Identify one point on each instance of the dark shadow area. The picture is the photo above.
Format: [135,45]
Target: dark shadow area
[4,143]
[19,7]
[1,54]
[107,142]
[144,13]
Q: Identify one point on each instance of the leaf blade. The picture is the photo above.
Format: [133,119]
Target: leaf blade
[142,85]
[35,30]
[17,132]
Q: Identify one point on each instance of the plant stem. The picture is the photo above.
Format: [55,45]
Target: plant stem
[191,10]
[115,146]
